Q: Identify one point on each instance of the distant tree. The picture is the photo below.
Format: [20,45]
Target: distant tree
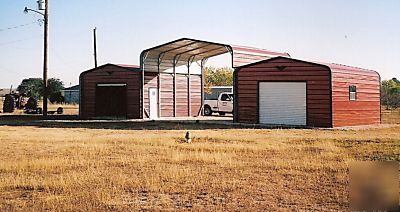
[390,93]
[32,104]
[33,87]
[55,86]
[56,97]
[217,77]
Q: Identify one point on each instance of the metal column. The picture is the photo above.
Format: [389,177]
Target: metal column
[174,85]
[189,91]
[158,89]
[142,99]
[202,64]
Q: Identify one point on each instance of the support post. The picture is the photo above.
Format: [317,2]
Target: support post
[174,84]
[142,101]
[202,64]
[95,47]
[158,89]
[189,91]
[143,57]
[45,62]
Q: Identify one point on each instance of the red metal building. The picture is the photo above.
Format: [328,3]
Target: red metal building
[286,91]
[168,83]
[110,90]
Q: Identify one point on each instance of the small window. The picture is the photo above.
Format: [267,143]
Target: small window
[352,92]
[225,97]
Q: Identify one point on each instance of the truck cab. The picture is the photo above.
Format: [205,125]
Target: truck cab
[222,105]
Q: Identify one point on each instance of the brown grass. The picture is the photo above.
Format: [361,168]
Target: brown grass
[391,116]
[103,169]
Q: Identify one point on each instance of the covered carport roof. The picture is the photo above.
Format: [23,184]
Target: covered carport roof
[180,52]
[184,51]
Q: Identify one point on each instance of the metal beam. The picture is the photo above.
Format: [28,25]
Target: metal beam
[210,50]
[174,86]
[182,53]
[158,89]
[202,64]
[173,49]
[190,61]
[142,61]
[188,89]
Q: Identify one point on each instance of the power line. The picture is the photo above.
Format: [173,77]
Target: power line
[17,41]
[19,26]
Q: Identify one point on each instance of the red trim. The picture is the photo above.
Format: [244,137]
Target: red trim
[128,66]
[259,51]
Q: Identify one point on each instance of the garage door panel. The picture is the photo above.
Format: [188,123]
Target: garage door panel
[282,103]
[110,100]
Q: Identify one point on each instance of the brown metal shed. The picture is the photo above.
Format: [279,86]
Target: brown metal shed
[110,90]
[286,91]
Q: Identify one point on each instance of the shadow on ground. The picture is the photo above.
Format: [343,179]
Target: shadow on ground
[73,121]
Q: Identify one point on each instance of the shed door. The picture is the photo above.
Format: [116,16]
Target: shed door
[111,100]
[282,103]
[153,103]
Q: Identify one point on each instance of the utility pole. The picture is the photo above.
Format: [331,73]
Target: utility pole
[45,60]
[95,47]
[44,5]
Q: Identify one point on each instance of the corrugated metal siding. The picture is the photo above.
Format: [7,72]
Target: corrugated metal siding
[282,103]
[167,94]
[318,88]
[110,74]
[195,89]
[365,109]
[182,109]
[150,81]
[247,55]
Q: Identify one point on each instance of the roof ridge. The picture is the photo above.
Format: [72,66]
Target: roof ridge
[260,49]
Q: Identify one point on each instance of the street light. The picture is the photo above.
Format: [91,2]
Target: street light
[43,5]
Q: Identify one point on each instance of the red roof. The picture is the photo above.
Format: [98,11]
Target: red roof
[259,51]
[335,67]
[128,66]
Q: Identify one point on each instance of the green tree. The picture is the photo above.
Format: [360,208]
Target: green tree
[55,86]
[217,77]
[33,87]
[390,93]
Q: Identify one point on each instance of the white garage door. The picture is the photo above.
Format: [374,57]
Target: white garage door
[282,103]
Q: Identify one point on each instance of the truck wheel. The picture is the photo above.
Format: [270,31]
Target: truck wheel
[207,111]
[222,113]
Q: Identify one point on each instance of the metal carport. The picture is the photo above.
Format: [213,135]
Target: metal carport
[186,51]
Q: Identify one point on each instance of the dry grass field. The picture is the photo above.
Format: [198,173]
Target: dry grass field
[93,167]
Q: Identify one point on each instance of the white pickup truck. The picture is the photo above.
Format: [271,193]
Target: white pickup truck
[222,105]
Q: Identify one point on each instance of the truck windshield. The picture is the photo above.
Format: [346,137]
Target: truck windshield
[231,96]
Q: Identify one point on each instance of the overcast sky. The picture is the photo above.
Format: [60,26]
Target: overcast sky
[363,33]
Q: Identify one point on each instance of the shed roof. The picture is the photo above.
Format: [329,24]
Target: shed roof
[72,88]
[128,66]
[125,66]
[186,50]
[333,66]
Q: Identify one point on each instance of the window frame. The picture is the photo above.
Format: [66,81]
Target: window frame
[229,99]
[352,90]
